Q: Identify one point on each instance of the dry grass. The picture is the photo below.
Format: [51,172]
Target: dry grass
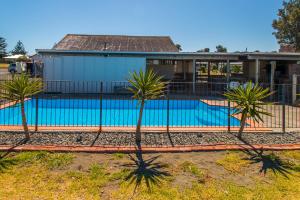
[42,175]
[233,162]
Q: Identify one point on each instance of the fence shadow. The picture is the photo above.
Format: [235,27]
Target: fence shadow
[149,171]
[7,162]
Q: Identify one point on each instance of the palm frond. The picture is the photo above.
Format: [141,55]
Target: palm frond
[249,100]
[20,88]
[146,85]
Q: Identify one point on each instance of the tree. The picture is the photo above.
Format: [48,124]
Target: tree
[179,47]
[19,49]
[249,103]
[287,25]
[236,68]
[3,46]
[17,90]
[204,50]
[144,86]
[220,48]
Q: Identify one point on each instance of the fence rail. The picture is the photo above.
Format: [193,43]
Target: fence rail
[185,105]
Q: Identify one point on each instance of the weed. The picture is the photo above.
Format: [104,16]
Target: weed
[118,156]
[193,169]
[233,162]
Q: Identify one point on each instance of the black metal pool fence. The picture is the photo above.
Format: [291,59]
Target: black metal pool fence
[215,110]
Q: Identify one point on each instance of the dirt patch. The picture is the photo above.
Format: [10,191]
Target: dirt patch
[205,161]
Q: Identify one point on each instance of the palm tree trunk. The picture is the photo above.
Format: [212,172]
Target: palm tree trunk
[24,121]
[243,122]
[138,136]
[138,127]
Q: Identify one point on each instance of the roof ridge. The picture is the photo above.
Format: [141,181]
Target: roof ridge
[139,43]
[75,34]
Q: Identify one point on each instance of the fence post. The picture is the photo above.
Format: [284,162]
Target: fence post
[229,116]
[168,113]
[101,97]
[283,107]
[36,113]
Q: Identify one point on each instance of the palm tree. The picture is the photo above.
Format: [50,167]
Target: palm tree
[145,86]
[17,90]
[248,102]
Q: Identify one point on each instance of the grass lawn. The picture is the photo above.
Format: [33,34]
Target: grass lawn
[197,175]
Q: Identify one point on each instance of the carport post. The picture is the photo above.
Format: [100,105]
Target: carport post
[294,88]
[228,71]
[256,70]
[273,68]
[194,75]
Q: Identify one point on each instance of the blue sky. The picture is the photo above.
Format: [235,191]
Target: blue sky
[195,24]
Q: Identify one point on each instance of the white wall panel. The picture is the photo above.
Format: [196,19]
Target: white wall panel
[66,69]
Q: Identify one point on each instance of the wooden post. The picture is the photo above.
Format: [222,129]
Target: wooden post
[256,70]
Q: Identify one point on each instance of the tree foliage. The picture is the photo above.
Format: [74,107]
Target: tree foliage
[179,47]
[236,68]
[3,46]
[221,48]
[204,50]
[19,49]
[287,25]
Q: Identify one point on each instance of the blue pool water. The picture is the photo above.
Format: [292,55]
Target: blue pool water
[86,112]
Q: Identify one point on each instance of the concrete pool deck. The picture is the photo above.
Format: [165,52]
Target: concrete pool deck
[132,129]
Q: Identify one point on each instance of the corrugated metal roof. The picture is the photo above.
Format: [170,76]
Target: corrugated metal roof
[116,43]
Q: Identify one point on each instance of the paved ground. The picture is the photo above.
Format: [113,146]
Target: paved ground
[4,74]
[3,71]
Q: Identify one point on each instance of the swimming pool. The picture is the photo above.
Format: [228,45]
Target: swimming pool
[117,112]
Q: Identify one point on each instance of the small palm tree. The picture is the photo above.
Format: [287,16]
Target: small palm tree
[248,102]
[145,86]
[17,90]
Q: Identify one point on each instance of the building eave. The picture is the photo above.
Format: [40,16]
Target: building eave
[180,55]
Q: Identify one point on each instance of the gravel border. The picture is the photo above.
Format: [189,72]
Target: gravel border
[148,139]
